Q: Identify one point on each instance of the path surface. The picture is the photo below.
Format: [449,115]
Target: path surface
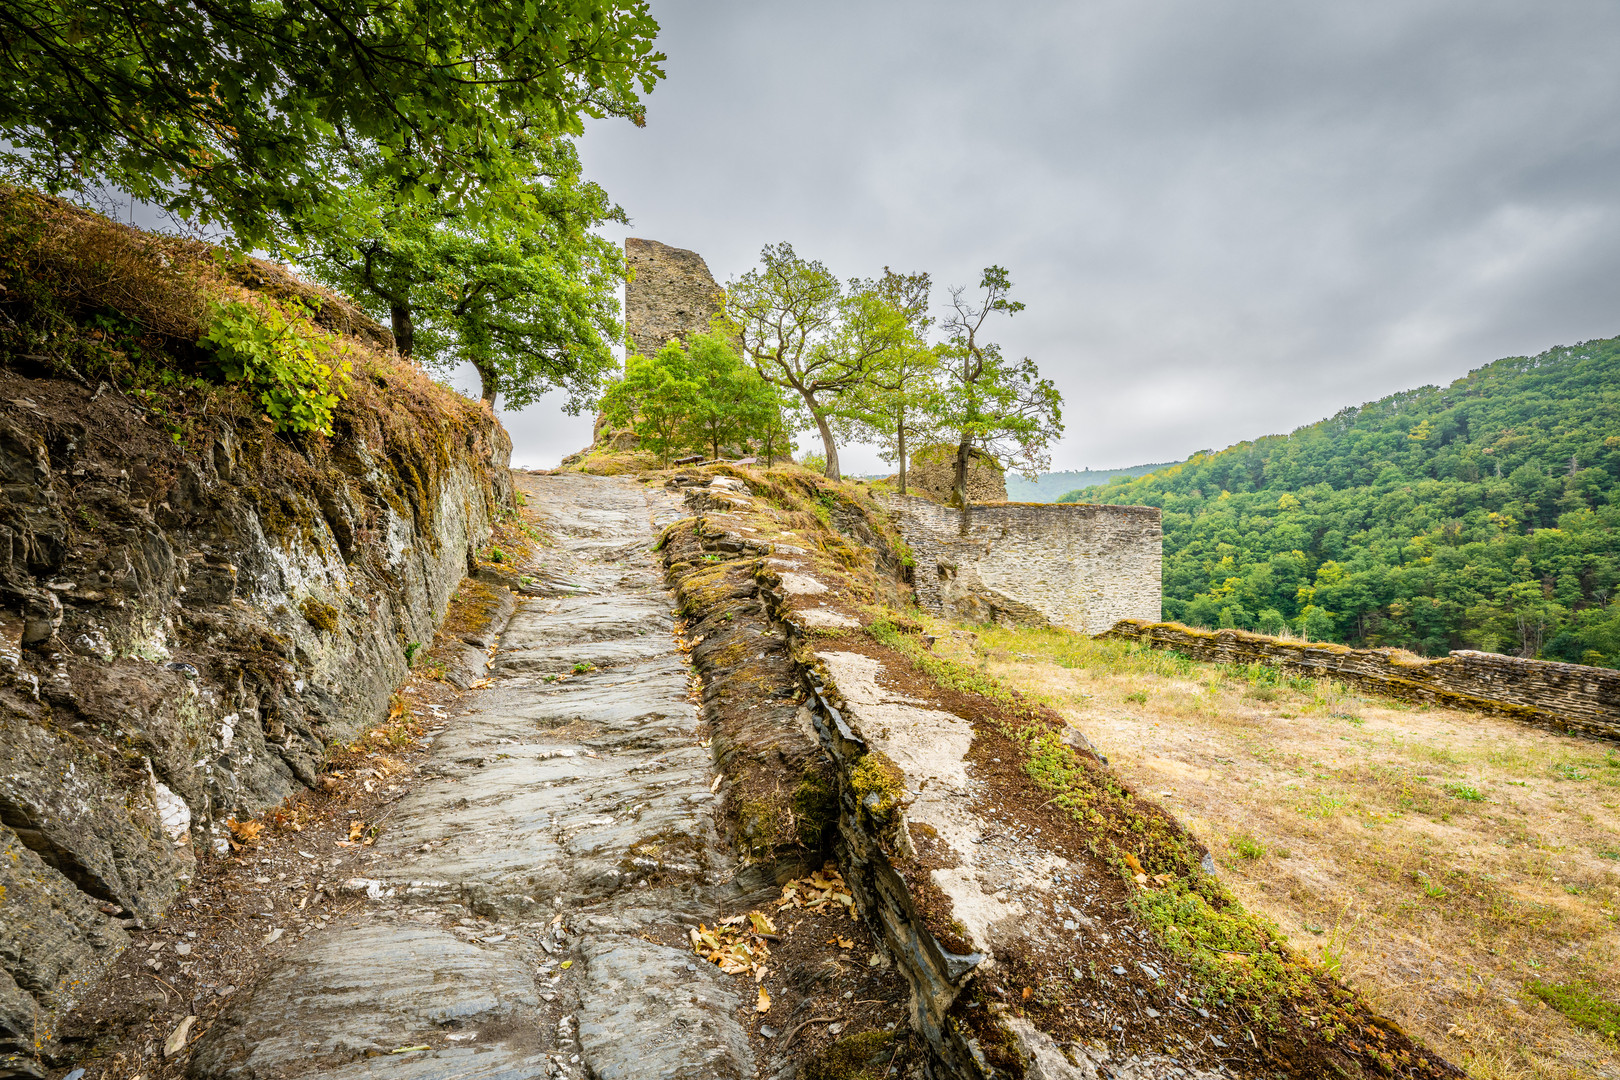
[559,822]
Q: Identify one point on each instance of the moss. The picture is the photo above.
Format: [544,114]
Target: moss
[815,810]
[758,823]
[857,1057]
[880,786]
[321,616]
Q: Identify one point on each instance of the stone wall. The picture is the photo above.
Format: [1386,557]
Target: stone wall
[1080,566]
[1568,697]
[936,478]
[669,294]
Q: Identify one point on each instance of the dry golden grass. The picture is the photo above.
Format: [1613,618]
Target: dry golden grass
[1440,860]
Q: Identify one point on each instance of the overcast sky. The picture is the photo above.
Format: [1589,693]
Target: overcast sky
[1227,219]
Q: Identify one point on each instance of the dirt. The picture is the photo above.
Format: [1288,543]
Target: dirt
[288,877]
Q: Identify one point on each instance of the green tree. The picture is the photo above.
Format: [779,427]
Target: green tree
[1002,407]
[528,295]
[228,111]
[734,406]
[655,399]
[897,406]
[804,332]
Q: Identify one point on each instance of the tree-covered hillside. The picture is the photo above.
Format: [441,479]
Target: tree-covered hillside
[1068,486]
[1483,515]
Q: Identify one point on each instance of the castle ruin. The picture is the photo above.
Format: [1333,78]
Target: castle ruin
[668,293]
[1079,566]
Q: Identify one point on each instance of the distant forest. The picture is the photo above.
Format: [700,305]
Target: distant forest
[1482,515]
[1067,486]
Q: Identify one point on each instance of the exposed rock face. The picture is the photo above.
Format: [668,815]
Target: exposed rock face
[1075,565]
[670,295]
[185,632]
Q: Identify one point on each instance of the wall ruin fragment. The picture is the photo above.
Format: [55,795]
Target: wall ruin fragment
[1075,565]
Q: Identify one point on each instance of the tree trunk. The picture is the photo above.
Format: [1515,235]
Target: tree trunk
[959,487]
[404,332]
[488,382]
[900,438]
[827,443]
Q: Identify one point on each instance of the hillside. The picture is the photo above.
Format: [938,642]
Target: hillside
[1485,515]
[1056,486]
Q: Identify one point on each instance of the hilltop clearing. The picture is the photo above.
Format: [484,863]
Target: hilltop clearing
[1446,863]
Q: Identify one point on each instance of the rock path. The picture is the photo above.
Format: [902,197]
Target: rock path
[500,930]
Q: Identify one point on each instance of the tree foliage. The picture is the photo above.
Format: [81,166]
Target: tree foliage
[899,403]
[229,111]
[805,332]
[1485,514]
[696,397]
[1000,406]
[526,295]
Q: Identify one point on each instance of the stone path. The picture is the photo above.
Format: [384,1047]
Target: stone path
[498,933]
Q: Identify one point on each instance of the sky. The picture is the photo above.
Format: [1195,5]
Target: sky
[1226,219]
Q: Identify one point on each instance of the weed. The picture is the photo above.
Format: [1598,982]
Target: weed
[410,652]
[583,666]
[1247,847]
[1140,697]
[1464,792]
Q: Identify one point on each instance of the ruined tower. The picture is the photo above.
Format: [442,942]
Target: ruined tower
[670,294]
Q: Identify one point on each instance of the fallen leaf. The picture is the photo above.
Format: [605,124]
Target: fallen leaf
[176,1041]
[411,1049]
[762,924]
[274,936]
[1131,861]
[481,684]
[716,785]
[1028,993]
[764,1003]
[846,943]
[245,831]
[355,829]
[566,964]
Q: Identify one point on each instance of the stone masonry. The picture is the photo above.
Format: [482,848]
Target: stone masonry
[1079,566]
[669,294]
[1568,697]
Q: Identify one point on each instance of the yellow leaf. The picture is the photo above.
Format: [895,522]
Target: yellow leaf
[566,964]
[355,829]
[762,924]
[764,1005]
[846,943]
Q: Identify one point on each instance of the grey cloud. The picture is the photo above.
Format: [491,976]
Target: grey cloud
[1227,219]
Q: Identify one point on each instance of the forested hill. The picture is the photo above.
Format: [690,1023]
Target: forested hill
[1483,515]
[1057,486]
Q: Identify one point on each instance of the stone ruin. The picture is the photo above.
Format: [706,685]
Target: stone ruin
[669,293]
[1083,567]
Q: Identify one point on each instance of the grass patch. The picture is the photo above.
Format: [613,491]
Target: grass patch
[1584,1008]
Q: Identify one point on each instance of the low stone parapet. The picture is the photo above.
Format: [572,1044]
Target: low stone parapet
[1567,697]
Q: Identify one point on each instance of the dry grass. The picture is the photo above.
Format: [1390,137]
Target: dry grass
[1441,860]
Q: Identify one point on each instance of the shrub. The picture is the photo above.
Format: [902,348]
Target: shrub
[283,361]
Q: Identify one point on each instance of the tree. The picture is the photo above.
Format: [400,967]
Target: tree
[698,396]
[999,406]
[654,399]
[528,295]
[733,405]
[898,405]
[226,111]
[804,332]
